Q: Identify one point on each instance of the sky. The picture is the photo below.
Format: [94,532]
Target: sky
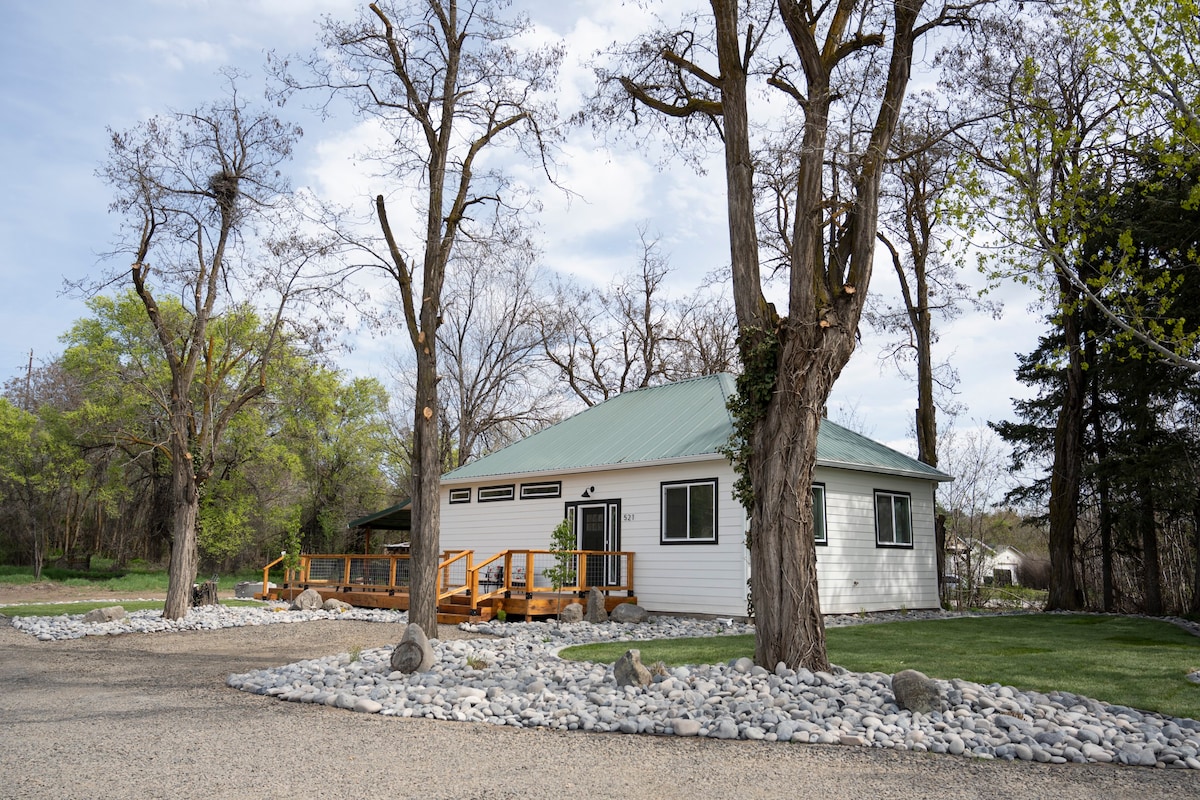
[72,69]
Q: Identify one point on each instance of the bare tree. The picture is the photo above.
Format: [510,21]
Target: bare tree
[491,343]
[697,75]
[705,334]
[449,83]
[196,191]
[919,174]
[606,342]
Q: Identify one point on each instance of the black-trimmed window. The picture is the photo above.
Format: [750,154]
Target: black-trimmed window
[893,519]
[689,512]
[490,494]
[820,532]
[538,491]
[460,495]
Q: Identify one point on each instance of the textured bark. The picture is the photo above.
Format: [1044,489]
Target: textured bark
[1151,567]
[427,480]
[1067,468]
[826,295]
[185,508]
[1103,487]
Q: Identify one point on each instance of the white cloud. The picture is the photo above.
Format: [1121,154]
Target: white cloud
[180,53]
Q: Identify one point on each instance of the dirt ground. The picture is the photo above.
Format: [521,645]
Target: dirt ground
[148,716]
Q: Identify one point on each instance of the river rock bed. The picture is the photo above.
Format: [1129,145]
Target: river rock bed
[516,679]
[73,626]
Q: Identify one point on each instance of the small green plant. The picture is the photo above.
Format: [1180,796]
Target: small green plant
[355,653]
[501,614]
[562,547]
[291,552]
[862,612]
[475,662]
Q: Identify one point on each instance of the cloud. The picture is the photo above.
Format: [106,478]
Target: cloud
[179,53]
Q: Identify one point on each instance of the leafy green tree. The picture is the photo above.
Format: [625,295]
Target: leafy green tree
[1050,123]
[38,469]
[1139,447]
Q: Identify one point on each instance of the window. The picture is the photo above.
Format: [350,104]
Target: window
[488,494]
[460,495]
[534,491]
[820,535]
[689,512]
[893,519]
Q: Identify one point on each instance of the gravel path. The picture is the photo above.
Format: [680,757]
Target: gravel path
[148,716]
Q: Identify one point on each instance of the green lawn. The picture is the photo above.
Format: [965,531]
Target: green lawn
[136,578]
[1121,660]
[56,609]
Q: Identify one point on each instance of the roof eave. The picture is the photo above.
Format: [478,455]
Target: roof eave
[940,477]
[935,475]
[585,469]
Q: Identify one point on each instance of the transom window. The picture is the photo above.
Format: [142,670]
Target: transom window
[893,519]
[460,495]
[820,535]
[689,512]
[489,494]
[533,491]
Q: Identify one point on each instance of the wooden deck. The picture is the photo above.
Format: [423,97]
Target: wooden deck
[467,591]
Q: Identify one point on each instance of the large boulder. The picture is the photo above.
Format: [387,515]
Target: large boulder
[107,614]
[333,604]
[629,612]
[916,692]
[308,600]
[629,670]
[413,653]
[595,606]
[572,612]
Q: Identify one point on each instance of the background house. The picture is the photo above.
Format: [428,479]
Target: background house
[643,472]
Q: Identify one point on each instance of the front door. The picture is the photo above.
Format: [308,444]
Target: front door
[597,529]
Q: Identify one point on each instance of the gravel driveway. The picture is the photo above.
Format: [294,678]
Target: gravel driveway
[149,716]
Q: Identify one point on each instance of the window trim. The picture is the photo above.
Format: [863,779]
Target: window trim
[891,495]
[460,495]
[511,493]
[824,539]
[553,489]
[663,539]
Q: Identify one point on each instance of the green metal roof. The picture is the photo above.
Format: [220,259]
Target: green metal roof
[676,421]
[393,518]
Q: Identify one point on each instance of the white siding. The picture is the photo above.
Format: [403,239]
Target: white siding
[853,574]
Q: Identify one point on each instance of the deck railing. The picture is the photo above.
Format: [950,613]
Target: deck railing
[509,572]
[502,575]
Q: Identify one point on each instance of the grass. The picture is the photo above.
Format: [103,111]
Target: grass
[1120,660]
[56,609]
[135,578]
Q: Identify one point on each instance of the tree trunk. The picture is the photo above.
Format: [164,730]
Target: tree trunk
[426,516]
[1103,490]
[1195,607]
[788,620]
[1068,465]
[185,507]
[1151,571]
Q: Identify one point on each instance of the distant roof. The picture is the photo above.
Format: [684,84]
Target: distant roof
[674,422]
[394,518]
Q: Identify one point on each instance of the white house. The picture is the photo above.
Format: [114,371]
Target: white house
[642,472]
